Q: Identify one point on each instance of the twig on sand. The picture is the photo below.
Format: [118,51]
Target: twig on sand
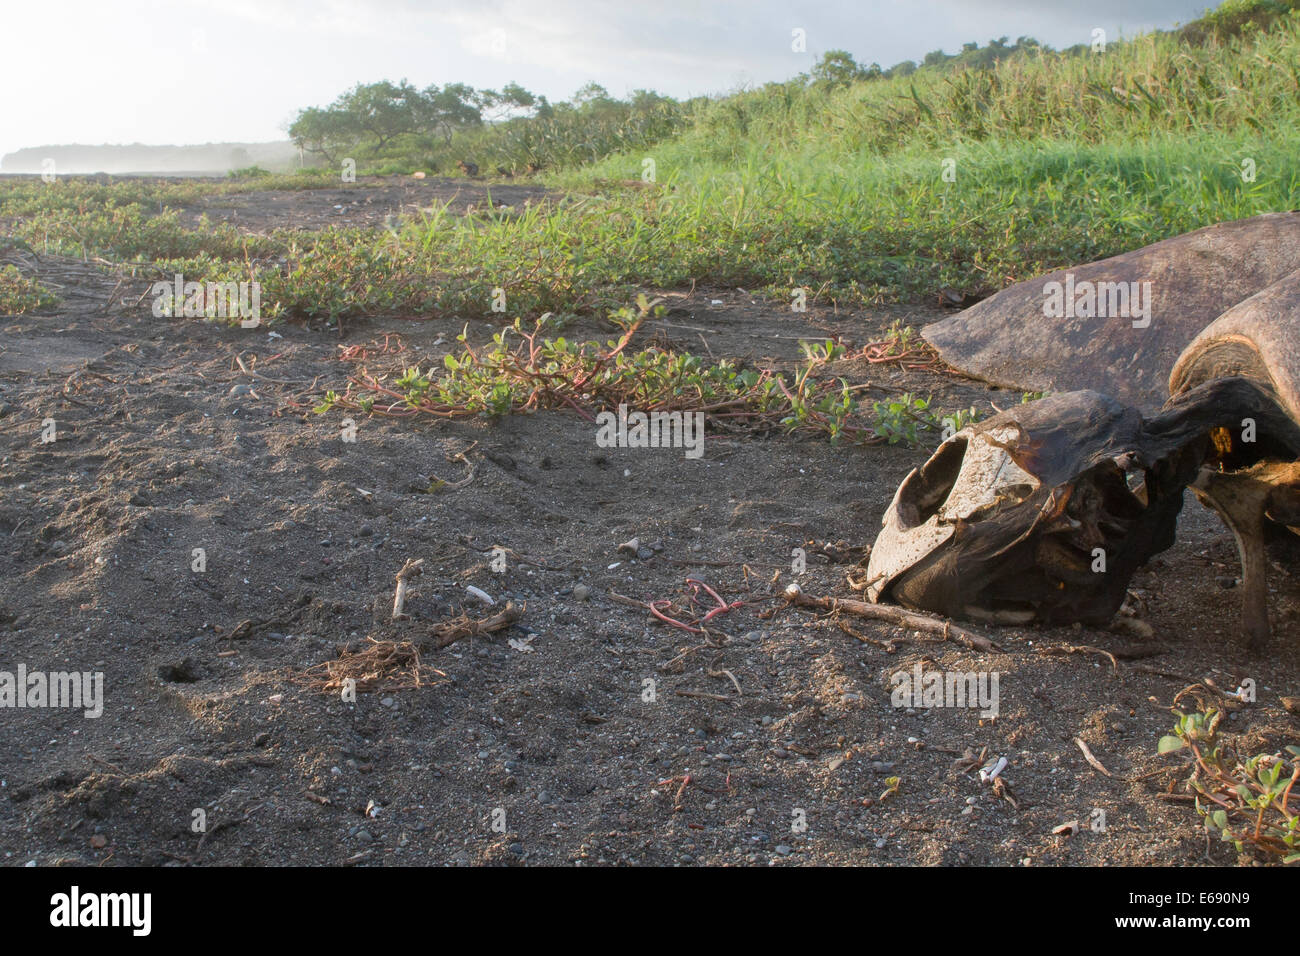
[1092,761]
[409,570]
[226,825]
[624,599]
[441,485]
[894,615]
[1195,686]
[239,360]
[104,763]
[730,676]
[1081,649]
[888,646]
[704,694]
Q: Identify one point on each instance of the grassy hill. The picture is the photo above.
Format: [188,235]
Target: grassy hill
[884,188]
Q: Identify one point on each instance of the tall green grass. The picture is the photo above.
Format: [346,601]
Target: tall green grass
[1054,159]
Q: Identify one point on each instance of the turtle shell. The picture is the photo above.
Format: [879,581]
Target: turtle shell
[1020,339]
[1256,339]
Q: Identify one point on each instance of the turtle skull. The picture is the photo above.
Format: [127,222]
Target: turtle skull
[1040,513]
[971,476]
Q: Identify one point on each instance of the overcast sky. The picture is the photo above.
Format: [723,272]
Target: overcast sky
[197,71]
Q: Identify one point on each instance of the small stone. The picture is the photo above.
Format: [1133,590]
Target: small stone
[581,592]
[784,850]
[364,836]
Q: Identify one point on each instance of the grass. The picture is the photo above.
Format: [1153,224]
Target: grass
[542,371]
[19,294]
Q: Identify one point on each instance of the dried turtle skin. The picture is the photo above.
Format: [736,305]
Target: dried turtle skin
[1194,278]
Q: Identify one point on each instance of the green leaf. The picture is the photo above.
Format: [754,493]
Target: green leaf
[1170,744]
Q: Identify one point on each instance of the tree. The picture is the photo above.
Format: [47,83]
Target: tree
[326,132]
[375,114]
[836,68]
[513,100]
[455,106]
[591,95]
[382,109]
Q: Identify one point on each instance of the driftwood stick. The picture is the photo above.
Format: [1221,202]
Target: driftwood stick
[409,569]
[894,615]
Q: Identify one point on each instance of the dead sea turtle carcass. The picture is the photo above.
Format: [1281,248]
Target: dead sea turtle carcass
[1043,512]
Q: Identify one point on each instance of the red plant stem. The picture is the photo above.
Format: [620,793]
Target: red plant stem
[654,607]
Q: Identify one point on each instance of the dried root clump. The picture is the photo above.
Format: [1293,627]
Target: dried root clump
[378,666]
